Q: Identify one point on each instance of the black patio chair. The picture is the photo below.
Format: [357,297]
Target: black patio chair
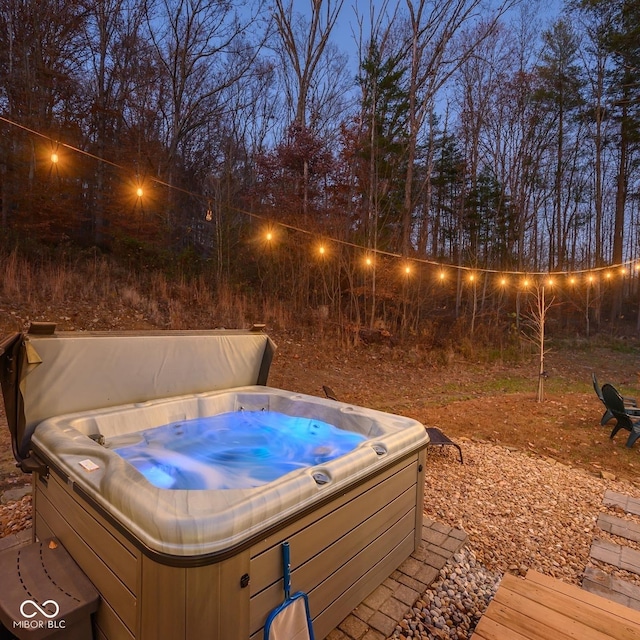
[629,403]
[614,402]
[437,438]
[329,392]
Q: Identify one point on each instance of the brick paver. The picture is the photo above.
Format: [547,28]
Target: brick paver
[600,582]
[617,555]
[394,608]
[629,504]
[19,539]
[619,527]
[353,627]
[406,595]
[383,623]
[611,587]
[384,608]
[363,612]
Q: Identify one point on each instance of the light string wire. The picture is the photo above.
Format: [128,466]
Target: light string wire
[441,266]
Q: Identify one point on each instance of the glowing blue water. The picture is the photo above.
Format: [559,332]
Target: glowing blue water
[232,450]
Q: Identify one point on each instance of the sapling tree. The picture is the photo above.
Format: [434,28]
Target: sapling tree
[535,324]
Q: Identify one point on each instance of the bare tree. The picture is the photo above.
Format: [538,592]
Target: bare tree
[514,138]
[116,54]
[595,61]
[202,48]
[41,59]
[560,93]
[435,52]
[303,47]
[536,324]
[479,80]
[381,72]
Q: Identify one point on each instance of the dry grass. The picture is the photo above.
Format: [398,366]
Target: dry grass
[90,290]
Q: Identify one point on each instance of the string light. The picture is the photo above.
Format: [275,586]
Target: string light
[368,261]
[407,269]
[269,236]
[622,269]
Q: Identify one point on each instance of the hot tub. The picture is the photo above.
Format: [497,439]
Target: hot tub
[189,563]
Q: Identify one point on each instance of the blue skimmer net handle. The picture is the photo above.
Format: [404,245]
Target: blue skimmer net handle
[286,565]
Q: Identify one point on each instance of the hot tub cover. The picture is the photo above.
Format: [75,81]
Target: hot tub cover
[45,374]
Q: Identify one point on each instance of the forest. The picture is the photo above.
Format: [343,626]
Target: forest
[408,167]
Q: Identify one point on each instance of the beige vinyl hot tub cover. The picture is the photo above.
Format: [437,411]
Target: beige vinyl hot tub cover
[67,372]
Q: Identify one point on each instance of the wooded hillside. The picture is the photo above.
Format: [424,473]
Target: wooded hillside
[401,165]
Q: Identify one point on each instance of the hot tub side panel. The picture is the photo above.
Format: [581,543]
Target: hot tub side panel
[110,561]
[341,551]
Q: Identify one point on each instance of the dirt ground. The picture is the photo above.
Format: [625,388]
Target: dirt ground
[484,402]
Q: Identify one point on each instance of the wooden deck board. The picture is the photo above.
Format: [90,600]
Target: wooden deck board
[529,613]
[492,630]
[593,600]
[543,608]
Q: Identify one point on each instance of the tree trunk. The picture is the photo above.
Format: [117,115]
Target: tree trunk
[541,319]
[621,197]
